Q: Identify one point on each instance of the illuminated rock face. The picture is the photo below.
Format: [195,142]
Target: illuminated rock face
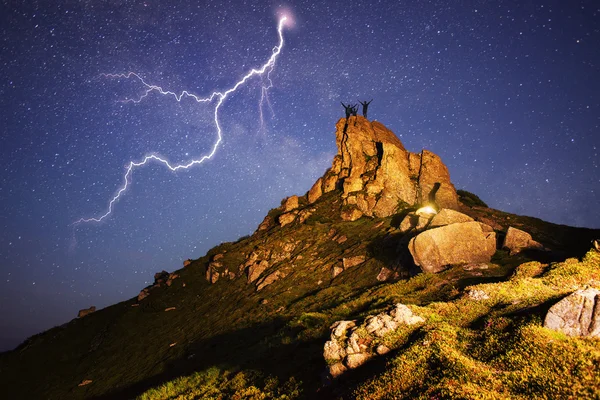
[378,175]
[577,314]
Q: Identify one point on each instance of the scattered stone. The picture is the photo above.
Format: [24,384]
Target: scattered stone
[287,218]
[86,311]
[336,270]
[143,294]
[385,274]
[264,301]
[85,382]
[382,349]
[336,369]
[172,277]
[161,277]
[170,309]
[577,314]
[446,217]
[403,315]
[353,261]
[351,214]
[459,243]
[173,344]
[339,328]
[218,257]
[187,262]
[517,240]
[341,239]
[356,360]
[269,279]
[478,295]
[256,269]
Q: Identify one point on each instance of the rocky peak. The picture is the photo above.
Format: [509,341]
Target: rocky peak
[378,176]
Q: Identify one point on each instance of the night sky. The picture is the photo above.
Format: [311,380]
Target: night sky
[506,92]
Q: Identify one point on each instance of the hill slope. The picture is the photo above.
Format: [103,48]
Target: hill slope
[250,318]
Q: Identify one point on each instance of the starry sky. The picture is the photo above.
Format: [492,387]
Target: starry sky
[506,92]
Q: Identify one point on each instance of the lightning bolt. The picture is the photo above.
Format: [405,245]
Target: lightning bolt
[220,97]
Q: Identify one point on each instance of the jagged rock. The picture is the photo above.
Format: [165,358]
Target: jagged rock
[316,191]
[269,279]
[303,215]
[403,315]
[381,324]
[187,262]
[333,351]
[341,239]
[478,295]
[385,274]
[161,277]
[266,224]
[143,294]
[336,270]
[171,278]
[351,214]
[460,243]
[352,261]
[413,221]
[287,218]
[356,360]
[212,271]
[256,269]
[218,257]
[577,314]
[336,370]
[446,217]
[86,311]
[517,240]
[339,328]
[379,176]
[290,204]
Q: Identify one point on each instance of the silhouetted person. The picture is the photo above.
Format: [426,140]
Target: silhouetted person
[348,109]
[354,111]
[365,105]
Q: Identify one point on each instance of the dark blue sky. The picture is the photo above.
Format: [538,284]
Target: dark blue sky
[506,92]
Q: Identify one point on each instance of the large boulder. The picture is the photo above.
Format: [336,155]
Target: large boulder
[517,240]
[86,311]
[447,216]
[460,243]
[577,314]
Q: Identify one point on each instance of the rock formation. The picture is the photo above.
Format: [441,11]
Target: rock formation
[378,176]
[86,311]
[577,314]
[517,240]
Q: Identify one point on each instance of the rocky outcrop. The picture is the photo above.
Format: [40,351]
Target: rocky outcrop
[577,314]
[290,204]
[447,217]
[86,311]
[517,240]
[347,262]
[162,278]
[350,345]
[460,243]
[378,175]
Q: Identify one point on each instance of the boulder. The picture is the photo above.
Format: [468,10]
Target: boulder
[316,191]
[290,204]
[161,277]
[336,370]
[269,279]
[351,214]
[447,216]
[517,240]
[385,274]
[333,351]
[577,314]
[459,243]
[287,218]
[339,328]
[403,315]
[86,311]
[357,359]
[187,262]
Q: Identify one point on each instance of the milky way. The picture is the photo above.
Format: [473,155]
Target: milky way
[505,92]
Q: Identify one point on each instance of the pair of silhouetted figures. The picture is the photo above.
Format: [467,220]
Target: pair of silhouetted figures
[353,109]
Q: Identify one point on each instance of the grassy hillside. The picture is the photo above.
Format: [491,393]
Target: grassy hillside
[228,340]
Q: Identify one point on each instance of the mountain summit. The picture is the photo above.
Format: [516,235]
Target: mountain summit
[378,176]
